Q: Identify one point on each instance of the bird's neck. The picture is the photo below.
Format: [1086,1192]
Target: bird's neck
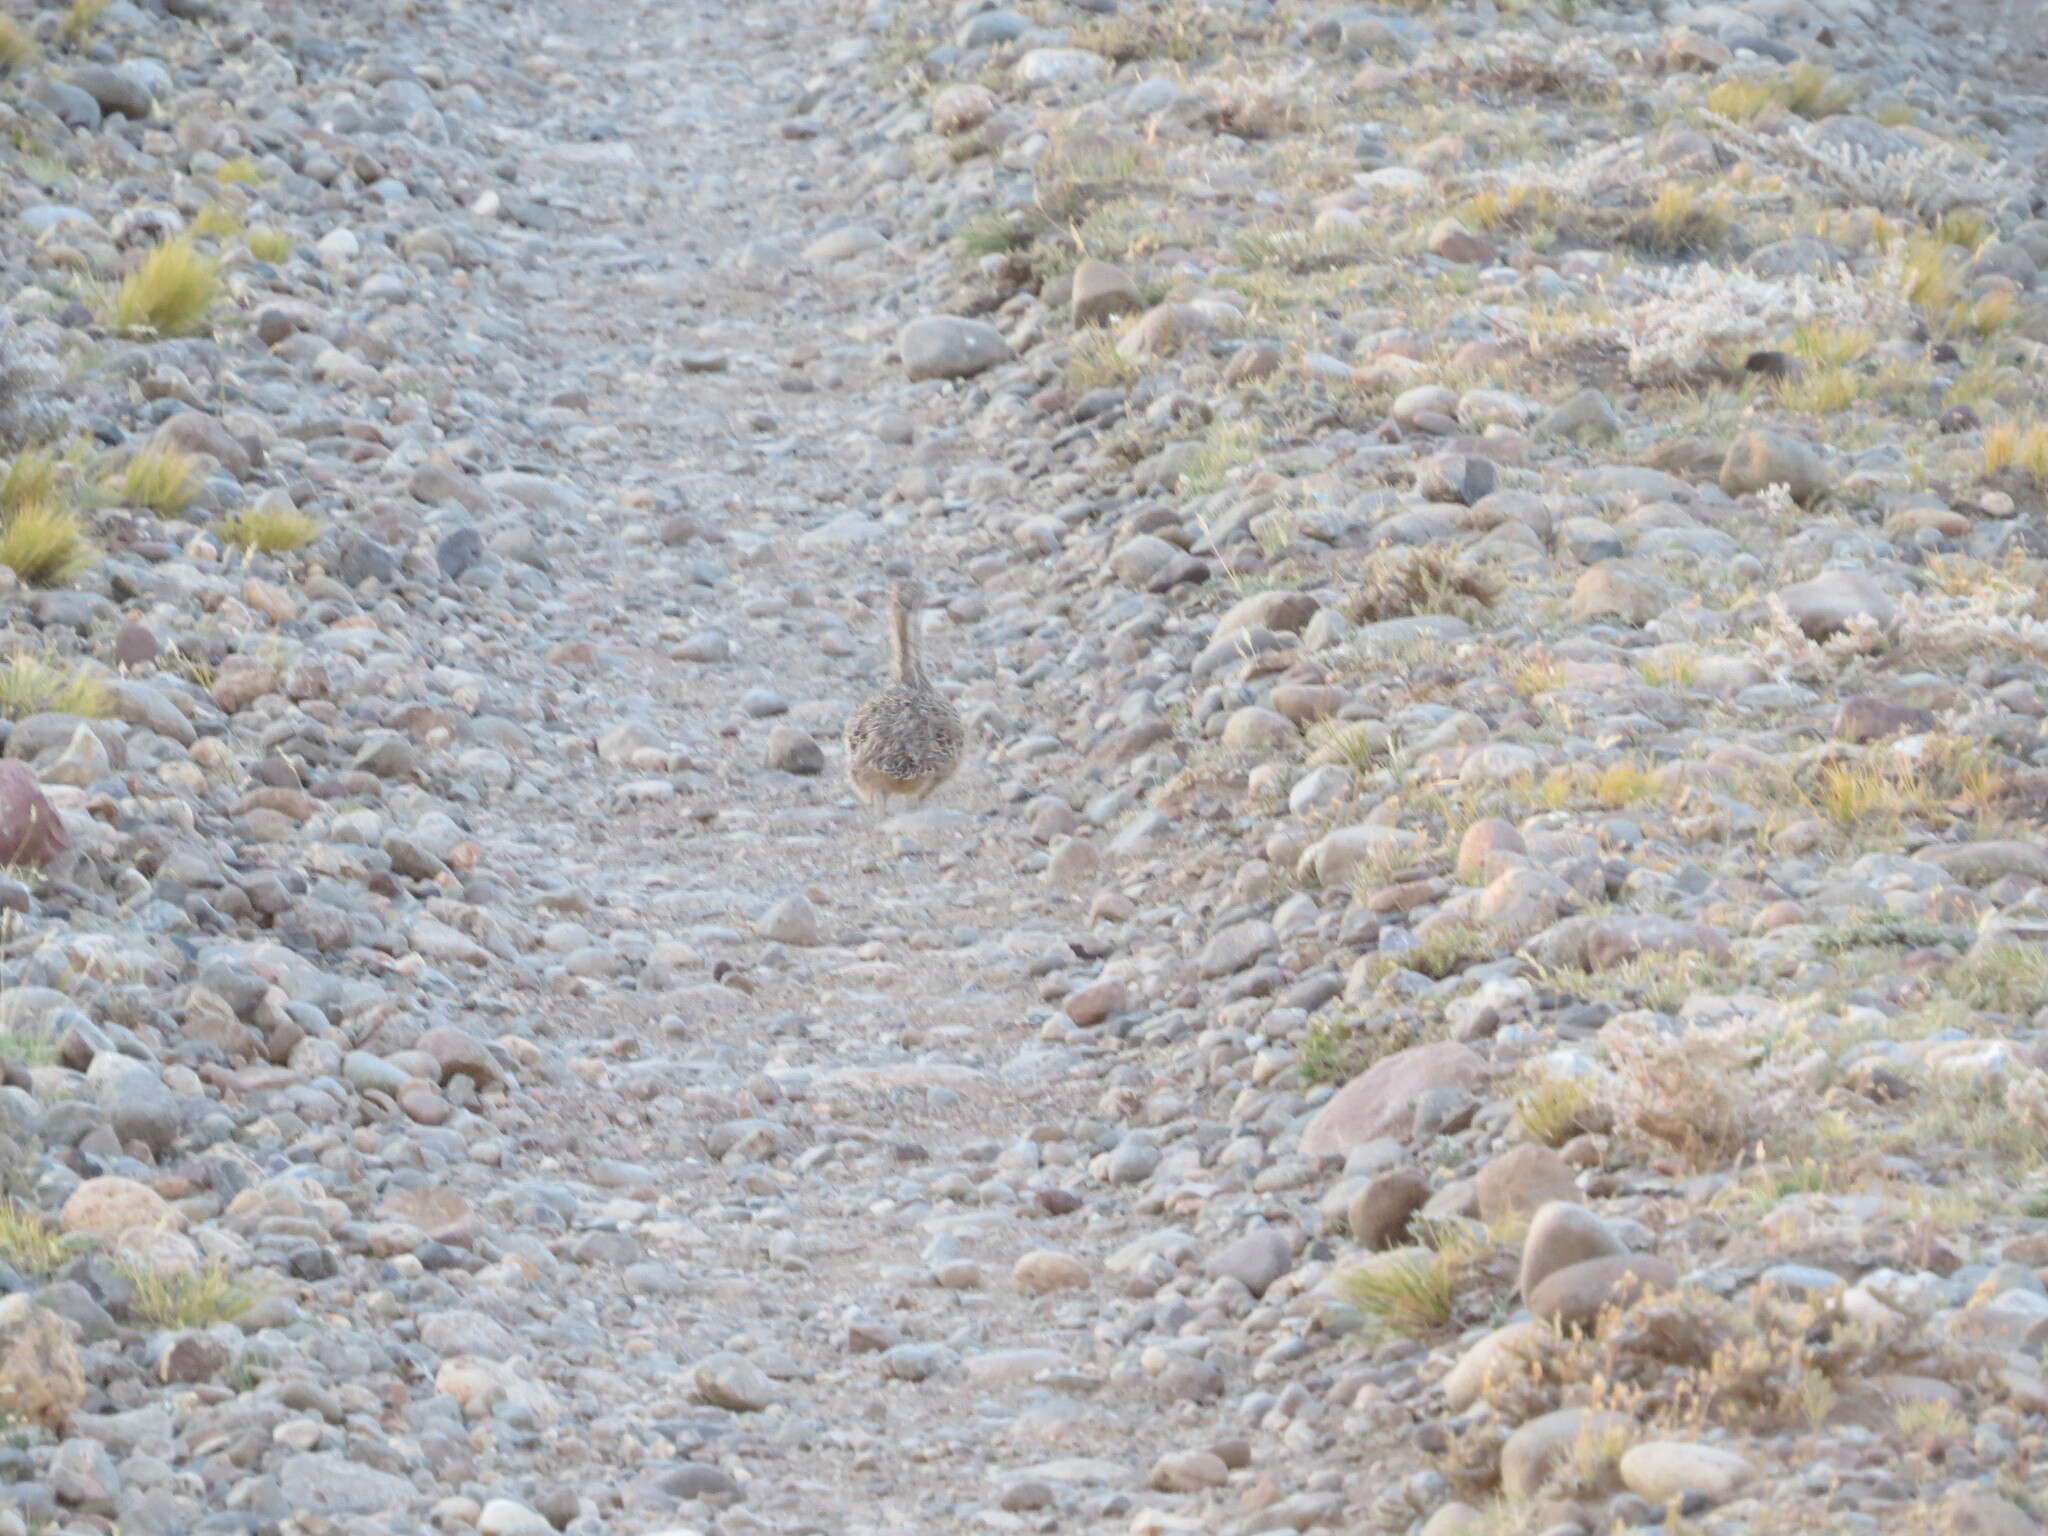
[906,650]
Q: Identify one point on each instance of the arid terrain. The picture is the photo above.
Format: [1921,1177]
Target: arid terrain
[1485,967]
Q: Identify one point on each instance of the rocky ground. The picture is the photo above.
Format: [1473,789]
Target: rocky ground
[1487,971]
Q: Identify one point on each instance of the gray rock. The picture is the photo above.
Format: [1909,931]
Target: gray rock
[948,347]
[1255,1260]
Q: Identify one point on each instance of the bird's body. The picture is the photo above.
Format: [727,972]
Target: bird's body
[906,739]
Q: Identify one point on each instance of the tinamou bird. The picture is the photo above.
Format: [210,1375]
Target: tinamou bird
[905,741]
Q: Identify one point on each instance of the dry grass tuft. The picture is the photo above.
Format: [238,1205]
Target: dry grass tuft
[30,479]
[81,18]
[31,684]
[17,48]
[164,480]
[1682,222]
[27,1242]
[46,544]
[1402,581]
[171,294]
[2018,445]
[266,244]
[188,1298]
[269,530]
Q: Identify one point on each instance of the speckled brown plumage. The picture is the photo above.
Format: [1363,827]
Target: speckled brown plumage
[906,739]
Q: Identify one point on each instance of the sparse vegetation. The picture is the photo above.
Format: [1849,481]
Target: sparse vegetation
[17,48]
[32,684]
[1682,221]
[269,530]
[2018,445]
[1403,581]
[271,245]
[197,1298]
[27,1243]
[81,18]
[163,480]
[1406,1292]
[239,172]
[46,544]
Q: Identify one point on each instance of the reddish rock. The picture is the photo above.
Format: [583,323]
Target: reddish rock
[1381,1100]
[30,831]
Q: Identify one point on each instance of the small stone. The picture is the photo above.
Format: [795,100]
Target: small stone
[1523,1179]
[1760,458]
[1103,292]
[1088,1006]
[1457,477]
[508,1517]
[42,1379]
[1540,1447]
[1497,1359]
[736,1383]
[793,920]
[1575,1296]
[1047,1269]
[1611,590]
[1381,1100]
[109,1205]
[1561,1235]
[1864,719]
[1255,1260]
[948,347]
[30,831]
[1834,601]
[1380,1213]
[1662,1470]
[1189,1472]
[1488,847]
[793,751]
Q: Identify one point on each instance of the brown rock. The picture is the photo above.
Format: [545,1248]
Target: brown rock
[1487,848]
[1380,1212]
[1540,1447]
[109,1205]
[456,1051]
[1103,292]
[1381,1100]
[30,831]
[1454,242]
[1252,361]
[1524,1179]
[1610,590]
[42,1380]
[1573,1297]
[1563,1234]
[1865,719]
[1090,1005]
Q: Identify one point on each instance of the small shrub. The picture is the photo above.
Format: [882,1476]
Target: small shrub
[1813,92]
[993,234]
[1534,678]
[34,685]
[266,244]
[1228,445]
[46,544]
[1093,362]
[30,479]
[1553,1109]
[216,222]
[1447,949]
[165,480]
[1687,1090]
[170,294]
[1965,227]
[269,530]
[1928,275]
[1741,101]
[2008,978]
[1327,1050]
[187,1298]
[1402,581]
[240,171]
[1406,1292]
[26,1242]
[1987,317]
[1831,346]
[1820,391]
[2018,445]
[1681,222]
[81,18]
[17,48]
